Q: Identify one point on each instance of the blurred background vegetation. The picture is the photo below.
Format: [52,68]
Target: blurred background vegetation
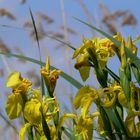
[55,21]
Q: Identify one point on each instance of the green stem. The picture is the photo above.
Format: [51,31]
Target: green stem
[116,78]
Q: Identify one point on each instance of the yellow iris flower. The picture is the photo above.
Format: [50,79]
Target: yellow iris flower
[17,83]
[50,77]
[84,98]
[17,99]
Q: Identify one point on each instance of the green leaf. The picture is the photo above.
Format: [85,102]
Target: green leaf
[36,33]
[136,73]
[65,43]
[117,43]
[115,119]
[106,123]
[133,57]
[69,133]
[70,79]
[8,122]
[38,44]
[125,83]
[112,74]
[46,128]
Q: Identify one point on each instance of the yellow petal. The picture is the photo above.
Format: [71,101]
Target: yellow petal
[32,111]
[84,72]
[23,130]
[85,127]
[85,93]
[111,102]
[122,99]
[14,105]
[48,63]
[85,106]
[14,79]
[86,45]
[66,116]
[82,91]
[130,123]
[95,114]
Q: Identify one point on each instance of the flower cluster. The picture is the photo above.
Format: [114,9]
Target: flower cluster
[116,103]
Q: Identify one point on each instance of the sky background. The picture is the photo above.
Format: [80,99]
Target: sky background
[60,56]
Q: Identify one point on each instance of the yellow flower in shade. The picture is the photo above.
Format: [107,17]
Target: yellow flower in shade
[48,103]
[17,83]
[108,95]
[81,50]
[23,129]
[83,66]
[103,49]
[32,111]
[50,77]
[84,98]
[84,127]
[132,127]
[100,124]
[65,117]
[14,105]
[17,99]
[122,99]
[52,133]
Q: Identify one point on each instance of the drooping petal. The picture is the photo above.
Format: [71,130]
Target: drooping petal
[84,72]
[83,93]
[23,129]
[122,99]
[32,111]
[14,105]
[84,127]
[65,117]
[14,79]
[130,123]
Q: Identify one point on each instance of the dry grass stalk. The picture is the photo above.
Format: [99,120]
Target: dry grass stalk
[7,13]
[23,1]
[32,74]
[3,47]
[28,24]
[69,30]
[1,72]
[129,19]
[109,19]
[45,17]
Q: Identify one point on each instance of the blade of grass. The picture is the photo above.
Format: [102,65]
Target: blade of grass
[70,79]
[9,123]
[117,43]
[36,33]
[49,36]
[115,120]
[39,50]
[63,42]
[46,129]
[112,74]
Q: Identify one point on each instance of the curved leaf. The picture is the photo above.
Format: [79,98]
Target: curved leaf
[70,79]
